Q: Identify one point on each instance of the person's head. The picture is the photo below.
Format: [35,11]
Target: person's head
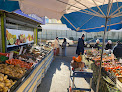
[109,42]
[97,41]
[56,38]
[118,42]
[83,36]
[64,39]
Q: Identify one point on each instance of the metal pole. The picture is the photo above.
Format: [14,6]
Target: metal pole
[46,34]
[99,76]
[66,33]
[56,33]
[107,35]
[118,35]
[107,17]
[51,35]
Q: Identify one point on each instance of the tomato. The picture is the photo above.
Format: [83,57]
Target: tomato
[114,70]
[117,74]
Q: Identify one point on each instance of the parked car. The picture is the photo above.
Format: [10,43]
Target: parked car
[92,42]
[69,42]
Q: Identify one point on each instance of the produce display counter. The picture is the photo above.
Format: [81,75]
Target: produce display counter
[31,82]
[22,70]
[111,75]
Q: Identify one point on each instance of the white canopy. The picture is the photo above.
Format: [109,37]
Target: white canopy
[114,30]
[54,27]
[56,8]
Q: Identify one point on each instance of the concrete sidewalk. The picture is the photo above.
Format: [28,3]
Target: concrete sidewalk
[57,76]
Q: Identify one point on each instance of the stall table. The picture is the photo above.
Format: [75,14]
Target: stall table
[108,83]
[31,82]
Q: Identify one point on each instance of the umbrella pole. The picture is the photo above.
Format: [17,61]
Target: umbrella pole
[99,76]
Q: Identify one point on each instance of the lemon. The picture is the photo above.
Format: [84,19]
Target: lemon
[11,41]
[7,42]
[14,36]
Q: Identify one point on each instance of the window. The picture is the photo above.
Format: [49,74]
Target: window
[60,38]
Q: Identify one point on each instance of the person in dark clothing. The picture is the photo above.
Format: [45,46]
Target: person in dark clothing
[97,44]
[117,51]
[108,45]
[64,47]
[80,45]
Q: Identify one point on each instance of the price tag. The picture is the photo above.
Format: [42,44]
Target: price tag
[23,78]
[11,55]
[21,49]
[8,90]
[24,51]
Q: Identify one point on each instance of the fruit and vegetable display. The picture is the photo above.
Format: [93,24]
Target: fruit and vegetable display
[111,69]
[11,70]
[20,63]
[16,65]
[5,83]
[95,55]
[34,54]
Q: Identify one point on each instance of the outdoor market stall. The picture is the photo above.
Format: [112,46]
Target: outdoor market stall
[23,63]
[111,79]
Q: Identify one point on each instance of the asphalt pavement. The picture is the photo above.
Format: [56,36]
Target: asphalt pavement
[57,76]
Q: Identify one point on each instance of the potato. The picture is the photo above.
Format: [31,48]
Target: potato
[5,77]
[1,74]
[1,84]
[7,81]
[1,90]
[21,71]
[5,89]
[11,81]
[6,72]
[1,78]
[8,84]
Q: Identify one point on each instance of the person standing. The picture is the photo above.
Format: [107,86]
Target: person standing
[109,45]
[56,46]
[80,46]
[64,47]
[117,50]
[97,44]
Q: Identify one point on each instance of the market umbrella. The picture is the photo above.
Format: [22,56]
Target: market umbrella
[56,8]
[78,21]
[9,6]
[83,22]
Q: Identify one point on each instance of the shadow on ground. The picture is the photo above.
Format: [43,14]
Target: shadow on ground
[56,76]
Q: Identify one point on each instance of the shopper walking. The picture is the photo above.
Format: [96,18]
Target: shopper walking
[56,46]
[64,47]
[80,46]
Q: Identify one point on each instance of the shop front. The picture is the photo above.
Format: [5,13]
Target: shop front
[23,63]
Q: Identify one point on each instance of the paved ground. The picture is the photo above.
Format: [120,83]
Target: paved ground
[57,76]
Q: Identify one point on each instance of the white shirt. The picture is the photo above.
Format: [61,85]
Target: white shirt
[56,44]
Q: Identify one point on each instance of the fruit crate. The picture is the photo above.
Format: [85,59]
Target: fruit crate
[119,83]
[19,80]
[112,88]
